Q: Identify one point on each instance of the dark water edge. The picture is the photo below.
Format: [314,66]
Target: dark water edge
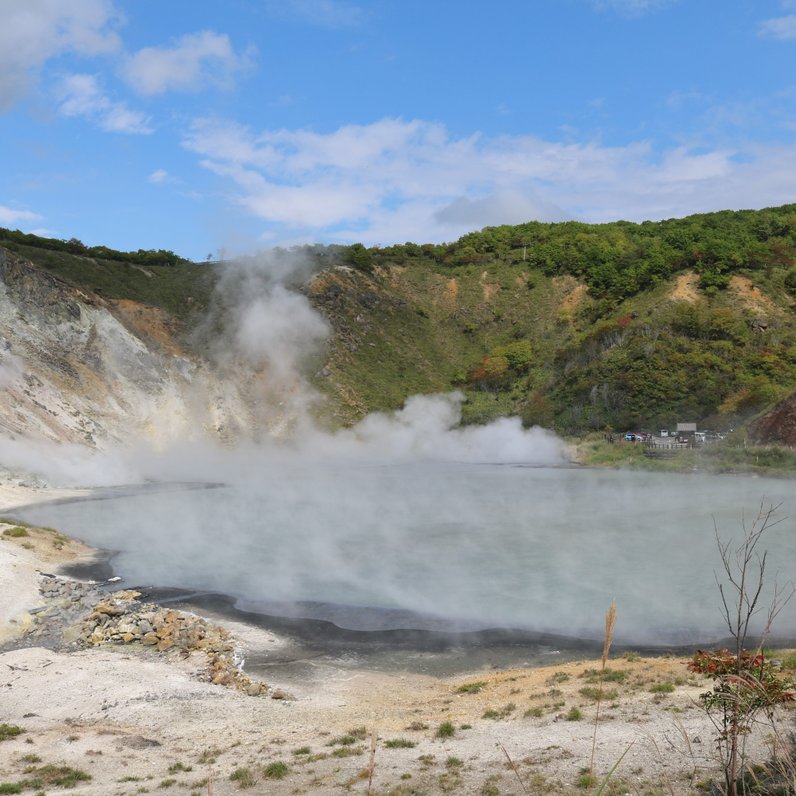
[311,644]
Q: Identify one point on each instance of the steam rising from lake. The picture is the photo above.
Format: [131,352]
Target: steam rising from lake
[444,545]
[429,523]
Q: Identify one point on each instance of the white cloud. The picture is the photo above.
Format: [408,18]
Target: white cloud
[507,207]
[81,95]
[195,60]
[323,13]
[779,27]
[632,7]
[10,216]
[158,176]
[397,180]
[34,31]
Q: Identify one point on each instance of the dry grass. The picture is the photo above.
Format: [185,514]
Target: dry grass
[610,620]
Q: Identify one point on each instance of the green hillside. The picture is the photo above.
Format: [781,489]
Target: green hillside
[579,327]
[159,278]
[575,326]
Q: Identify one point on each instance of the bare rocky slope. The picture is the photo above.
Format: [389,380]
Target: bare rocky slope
[777,427]
[77,368]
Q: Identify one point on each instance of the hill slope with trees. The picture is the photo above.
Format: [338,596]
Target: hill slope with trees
[574,326]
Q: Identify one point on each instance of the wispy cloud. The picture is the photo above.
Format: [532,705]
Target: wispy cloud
[81,95]
[195,60]
[779,27]
[11,216]
[36,30]
[159,176]
[323,13]
[783,27]
[632,7]
[397,180]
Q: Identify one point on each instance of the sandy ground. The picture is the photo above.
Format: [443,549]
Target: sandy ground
[139,721]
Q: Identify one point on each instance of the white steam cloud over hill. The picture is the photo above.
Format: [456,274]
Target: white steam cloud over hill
[271,331]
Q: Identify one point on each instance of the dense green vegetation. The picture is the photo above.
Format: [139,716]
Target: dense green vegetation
[12,238]
[628,351]
[158,278]
[621,259]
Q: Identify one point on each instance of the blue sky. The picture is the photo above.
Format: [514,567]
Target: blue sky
[207,126]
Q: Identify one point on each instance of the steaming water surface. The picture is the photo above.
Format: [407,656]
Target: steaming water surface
[447,545]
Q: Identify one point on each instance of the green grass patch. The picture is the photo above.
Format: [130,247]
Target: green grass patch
[608,675]
[632,657]
[399,743]
[535,712]
[342,740]
[166,286]
[593,692]
[662,688]
[348,751]
[208,757]
[276,770]
[9,731]
[244,777]
[51,776]
[471,688]
[16,532]
[176,767]
[788,660]
[445,730]
[502,713]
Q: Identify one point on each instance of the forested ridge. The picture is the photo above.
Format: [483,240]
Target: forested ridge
[575,326]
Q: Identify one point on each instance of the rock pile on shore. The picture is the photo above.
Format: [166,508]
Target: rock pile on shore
[79,614]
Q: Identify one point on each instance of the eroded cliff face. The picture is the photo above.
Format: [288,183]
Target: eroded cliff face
[77,368]
[778,426]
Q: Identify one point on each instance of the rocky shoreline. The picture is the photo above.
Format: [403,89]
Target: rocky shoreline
[77,615]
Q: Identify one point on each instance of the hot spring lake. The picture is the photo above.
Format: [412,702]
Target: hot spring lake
[447,546]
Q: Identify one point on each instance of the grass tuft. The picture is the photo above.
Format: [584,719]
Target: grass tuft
[502,713]
[243,777]
[445,730]
[471,688]
[9,731]
[276,770]
[50,776]
[399,743]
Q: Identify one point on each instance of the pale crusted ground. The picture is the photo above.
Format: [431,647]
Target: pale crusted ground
[19,565]
[138,721]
